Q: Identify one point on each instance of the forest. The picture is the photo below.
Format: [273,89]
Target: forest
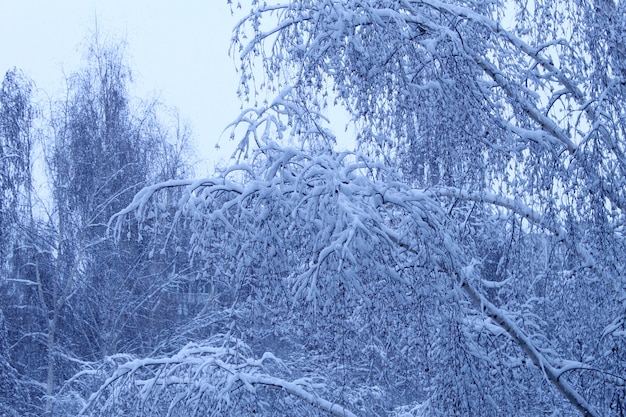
[467,258]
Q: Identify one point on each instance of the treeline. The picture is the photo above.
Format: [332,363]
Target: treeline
[69,295]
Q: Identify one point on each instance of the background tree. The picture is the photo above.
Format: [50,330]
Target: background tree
[86,297]
[16,144]
[17,230]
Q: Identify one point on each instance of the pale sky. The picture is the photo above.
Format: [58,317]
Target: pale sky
[178,51]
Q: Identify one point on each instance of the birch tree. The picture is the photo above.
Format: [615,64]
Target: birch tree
[106,296]
[16,142]
[486,104]
[17,230]
[368,277]
[70,295]
[468,260]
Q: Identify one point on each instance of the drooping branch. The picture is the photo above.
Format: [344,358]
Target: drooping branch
[194,370]
[317,189]
[293,388]
[502,319]
[523,341]
[519,208]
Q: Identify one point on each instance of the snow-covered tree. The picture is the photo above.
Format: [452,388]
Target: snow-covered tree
[469,260]
[70,295]
[106,148]
[17,229]
[364,280]
[16,143]
[512,114]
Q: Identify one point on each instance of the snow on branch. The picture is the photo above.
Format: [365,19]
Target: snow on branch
[200,378]
[523,341]
[504,321]
[326,211]
[521,209]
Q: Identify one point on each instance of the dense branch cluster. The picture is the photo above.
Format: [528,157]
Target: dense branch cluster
[467,259]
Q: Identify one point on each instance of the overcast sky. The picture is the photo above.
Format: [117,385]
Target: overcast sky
[178,51]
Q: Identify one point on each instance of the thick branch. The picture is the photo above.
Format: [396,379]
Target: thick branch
[508,325]
[523,341]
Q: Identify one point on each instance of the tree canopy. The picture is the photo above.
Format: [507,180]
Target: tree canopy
[466,259]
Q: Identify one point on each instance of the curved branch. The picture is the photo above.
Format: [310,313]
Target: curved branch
[296,390]
[523,341]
